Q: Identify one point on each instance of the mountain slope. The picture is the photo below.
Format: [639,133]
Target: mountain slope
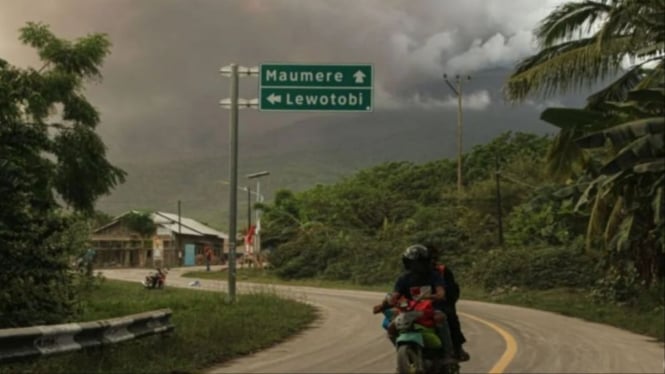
[318,150]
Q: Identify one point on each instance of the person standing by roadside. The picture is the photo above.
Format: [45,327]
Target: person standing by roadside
[207,252]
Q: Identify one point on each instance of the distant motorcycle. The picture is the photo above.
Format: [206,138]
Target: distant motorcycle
[155,280]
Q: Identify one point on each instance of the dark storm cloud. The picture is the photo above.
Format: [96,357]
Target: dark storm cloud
[161,83]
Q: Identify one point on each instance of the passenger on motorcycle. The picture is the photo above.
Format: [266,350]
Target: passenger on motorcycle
[448,306]
[421,282]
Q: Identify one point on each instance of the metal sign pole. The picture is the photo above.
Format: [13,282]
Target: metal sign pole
[233,178]
[234,103]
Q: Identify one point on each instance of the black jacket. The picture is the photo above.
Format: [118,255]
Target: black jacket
[451,287]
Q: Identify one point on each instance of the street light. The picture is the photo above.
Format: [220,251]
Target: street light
[249,200]
[259,199]
[457,89]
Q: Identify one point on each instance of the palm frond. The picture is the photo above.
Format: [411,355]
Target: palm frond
[570,20]
[564,67]
[654,77]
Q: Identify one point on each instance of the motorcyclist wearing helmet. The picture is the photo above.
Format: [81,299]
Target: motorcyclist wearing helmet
[421,282]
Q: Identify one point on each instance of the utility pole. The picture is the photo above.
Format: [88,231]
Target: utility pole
[233,103]
[179,241]
[233,176]
[497,175]
[457,90]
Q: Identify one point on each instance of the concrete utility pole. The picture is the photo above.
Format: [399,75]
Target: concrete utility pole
[497,176]
[233,71]
[457,90]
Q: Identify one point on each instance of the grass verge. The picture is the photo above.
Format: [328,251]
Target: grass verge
[207,330]
[266,277]
[645,318]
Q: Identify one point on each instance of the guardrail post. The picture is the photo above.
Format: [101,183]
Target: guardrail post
[35,341]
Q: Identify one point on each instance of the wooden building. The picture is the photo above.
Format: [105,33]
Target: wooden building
[177,241]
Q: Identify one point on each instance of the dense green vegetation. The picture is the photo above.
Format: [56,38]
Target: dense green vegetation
[207,330]
[52,169]
[584,209]
[612,150]
[356,229]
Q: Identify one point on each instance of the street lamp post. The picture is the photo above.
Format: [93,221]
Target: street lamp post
[457,89]
[249,200]
[259,198]
[249,208]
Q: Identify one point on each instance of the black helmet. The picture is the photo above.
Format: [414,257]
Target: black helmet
[415,254]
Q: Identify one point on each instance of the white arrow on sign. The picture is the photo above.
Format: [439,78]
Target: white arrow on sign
[360,76]
[274,98]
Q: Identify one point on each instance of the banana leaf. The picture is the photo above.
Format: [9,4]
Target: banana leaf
[624,133]
[572,118]
[621,240]
[613,220]
[649,95]
[650,167]
[657,206]
[646,148]
[617,91]
[588,192]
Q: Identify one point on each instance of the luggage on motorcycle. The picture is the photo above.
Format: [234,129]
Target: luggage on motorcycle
[427,309]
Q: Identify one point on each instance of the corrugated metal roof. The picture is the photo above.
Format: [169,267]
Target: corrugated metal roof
[169,221]
[184,230]
[193,227]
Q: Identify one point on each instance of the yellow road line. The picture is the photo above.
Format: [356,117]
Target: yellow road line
[511,345]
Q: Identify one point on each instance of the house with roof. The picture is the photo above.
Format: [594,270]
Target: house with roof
[176,241]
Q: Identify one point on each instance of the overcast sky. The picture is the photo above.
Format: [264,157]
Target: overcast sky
[161,84]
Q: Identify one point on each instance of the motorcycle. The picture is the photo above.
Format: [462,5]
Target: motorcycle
[155,280]
[419,349]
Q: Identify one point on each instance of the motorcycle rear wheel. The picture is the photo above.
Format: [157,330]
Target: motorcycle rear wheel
[409,360]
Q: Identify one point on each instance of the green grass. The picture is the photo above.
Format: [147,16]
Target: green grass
[646,319]
[266,277]
[207,330]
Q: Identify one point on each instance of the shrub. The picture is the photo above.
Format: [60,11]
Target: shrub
[541,268]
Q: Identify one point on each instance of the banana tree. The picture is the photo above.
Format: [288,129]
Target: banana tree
[625,196]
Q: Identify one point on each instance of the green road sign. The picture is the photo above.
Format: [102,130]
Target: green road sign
[297,87]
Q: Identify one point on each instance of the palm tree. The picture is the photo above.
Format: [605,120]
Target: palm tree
[614,146]
[582,43]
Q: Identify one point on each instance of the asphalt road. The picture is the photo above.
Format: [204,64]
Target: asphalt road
[348,338]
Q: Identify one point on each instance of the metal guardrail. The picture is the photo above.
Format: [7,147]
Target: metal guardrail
[26,342]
